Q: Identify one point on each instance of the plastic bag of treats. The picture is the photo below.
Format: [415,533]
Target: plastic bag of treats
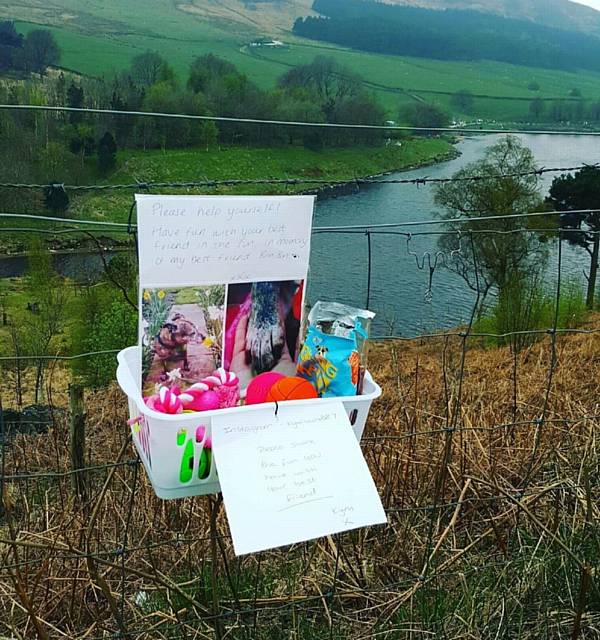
[334,351]
[334,318]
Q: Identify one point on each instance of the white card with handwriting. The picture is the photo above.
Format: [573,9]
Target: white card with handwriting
[199,240]
[292,477]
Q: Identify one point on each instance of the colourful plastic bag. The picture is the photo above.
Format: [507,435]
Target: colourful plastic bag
[331,363]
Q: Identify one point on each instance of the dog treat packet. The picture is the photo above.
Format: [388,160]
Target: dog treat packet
[331,363]
[336,319]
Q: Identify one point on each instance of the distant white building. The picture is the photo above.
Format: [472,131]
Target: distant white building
[263,42]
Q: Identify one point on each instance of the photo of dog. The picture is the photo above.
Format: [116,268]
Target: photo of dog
[262,328]
[171,342]
[182,335]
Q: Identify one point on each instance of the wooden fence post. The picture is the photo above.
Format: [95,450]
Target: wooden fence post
[77,438]
[586,574]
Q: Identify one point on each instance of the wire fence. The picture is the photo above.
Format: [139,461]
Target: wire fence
[486,459]
[297,123]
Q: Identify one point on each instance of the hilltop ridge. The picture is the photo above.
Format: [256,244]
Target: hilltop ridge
[562,14]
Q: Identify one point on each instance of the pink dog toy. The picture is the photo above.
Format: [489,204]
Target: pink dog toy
[199,397]
[226,385]
[166,401]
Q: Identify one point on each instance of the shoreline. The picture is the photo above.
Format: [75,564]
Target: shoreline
[348,188]
[62,246]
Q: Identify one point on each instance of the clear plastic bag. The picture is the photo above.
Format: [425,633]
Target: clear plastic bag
[334,354]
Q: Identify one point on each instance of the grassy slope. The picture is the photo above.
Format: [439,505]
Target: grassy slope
[98,37]
[241,163]
[497,569]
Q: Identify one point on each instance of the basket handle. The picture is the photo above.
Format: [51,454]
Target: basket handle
[127,383]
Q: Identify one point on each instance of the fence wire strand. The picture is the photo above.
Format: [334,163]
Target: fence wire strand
[294,123]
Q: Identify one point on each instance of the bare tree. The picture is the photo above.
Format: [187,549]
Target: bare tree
[495,260]
[331,82]
[40,51]
[149,68]
[37,337]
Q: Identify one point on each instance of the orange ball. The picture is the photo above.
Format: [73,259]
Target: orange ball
[291,388]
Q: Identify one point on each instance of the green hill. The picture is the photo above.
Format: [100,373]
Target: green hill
[99,37]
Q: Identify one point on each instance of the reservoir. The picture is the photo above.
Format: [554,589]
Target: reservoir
[408,297]
[401,293]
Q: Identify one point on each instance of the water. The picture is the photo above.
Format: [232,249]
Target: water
[83,267]
[399,288]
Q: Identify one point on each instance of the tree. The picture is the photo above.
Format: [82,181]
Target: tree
[571,192]
[11,43]
[362,108]
[56,198]
[47,292]
[536,108]
[330,82]
[463,100]
[494,260]
[107,153]
[150,68]
[75,97]
[81,140]
[163,132]
[561,111]
[9,35]
[594,111]
[297,106]
[209,134]
[40,51]
[424,115]
[206,68]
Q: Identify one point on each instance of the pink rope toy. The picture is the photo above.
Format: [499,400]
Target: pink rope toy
[220,390]
[165,401]
[200,397]
[226,385]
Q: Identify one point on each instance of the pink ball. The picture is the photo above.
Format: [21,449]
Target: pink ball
[208,401]
[259,388]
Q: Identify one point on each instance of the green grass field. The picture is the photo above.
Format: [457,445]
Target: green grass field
[243,163]
[217,164]
[100,37]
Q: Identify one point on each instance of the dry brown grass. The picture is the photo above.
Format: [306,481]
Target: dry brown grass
[493,519]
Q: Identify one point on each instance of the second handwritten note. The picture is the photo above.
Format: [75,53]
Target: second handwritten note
[293,476]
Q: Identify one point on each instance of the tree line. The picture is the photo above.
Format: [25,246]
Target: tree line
[429,114]
[447,35]
[73,146]
[31,53]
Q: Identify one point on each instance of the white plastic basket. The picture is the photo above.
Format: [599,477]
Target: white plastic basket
[168,446]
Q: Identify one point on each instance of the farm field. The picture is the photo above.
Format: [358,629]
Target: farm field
[98,38]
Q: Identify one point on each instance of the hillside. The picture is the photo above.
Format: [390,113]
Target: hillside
[447,35]
[476,427]
[100,37]
[562,14]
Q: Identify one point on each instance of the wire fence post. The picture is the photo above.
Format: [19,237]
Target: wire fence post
[214,505]
[77,439]
[369,269]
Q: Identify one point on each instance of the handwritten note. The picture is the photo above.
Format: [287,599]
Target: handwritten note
[292,477]
[195,240]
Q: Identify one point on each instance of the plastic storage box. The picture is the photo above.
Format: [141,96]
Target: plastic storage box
[171,446]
